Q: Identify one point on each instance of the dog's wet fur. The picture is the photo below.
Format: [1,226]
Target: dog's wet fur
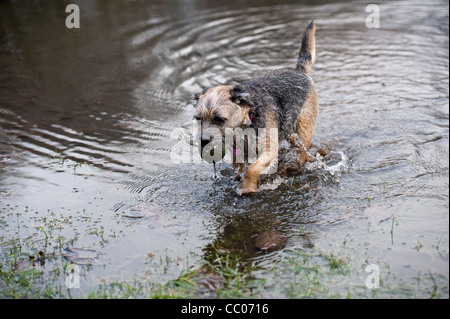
[284,99]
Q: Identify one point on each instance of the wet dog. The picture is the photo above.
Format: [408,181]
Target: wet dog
[284,100]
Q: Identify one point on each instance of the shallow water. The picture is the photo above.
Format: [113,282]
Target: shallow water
[87,117]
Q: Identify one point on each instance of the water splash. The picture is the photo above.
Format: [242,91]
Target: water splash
[330,167]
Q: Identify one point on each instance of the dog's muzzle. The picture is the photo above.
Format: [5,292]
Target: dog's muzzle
[205,140]
[211,150]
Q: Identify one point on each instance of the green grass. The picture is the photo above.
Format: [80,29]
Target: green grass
[32,266]
[225,281]
[302,274]
[62,161]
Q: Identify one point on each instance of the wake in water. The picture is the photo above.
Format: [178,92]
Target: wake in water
[323,165]
[322,161]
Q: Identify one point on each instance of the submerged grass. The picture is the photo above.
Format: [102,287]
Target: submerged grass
[301,275]
[60,160]
[32,266]
[222,279]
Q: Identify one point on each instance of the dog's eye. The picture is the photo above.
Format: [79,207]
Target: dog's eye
[235,100]
[219,119]
[197,117]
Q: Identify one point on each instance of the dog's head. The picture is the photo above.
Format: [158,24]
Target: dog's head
[222,107]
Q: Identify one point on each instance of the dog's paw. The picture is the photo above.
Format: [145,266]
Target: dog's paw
[248,190]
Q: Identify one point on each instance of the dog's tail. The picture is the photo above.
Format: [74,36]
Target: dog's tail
[307,51]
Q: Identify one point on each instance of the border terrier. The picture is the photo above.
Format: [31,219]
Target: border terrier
[283,99]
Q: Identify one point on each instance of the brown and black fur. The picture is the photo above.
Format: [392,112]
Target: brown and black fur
[284,99]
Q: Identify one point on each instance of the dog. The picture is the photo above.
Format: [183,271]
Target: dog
[283,99]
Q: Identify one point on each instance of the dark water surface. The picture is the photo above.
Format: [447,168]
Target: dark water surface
[89,118]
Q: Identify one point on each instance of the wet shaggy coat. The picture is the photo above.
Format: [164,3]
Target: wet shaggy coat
[283,99]
[284,91]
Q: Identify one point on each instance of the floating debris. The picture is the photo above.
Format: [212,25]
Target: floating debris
[81,256]
[378,213]
[210,279]
[142,210]
[21,265]
[26,263]
[270,240]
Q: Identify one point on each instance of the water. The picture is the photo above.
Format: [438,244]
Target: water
[86,118]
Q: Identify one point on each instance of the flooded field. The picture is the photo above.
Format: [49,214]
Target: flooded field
[93,205]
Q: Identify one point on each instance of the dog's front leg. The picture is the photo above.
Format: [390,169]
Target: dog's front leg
[238,168]
[267,158]
[250,183]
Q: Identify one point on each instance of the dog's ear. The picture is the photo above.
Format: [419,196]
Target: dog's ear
[197,96]
[239,96]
